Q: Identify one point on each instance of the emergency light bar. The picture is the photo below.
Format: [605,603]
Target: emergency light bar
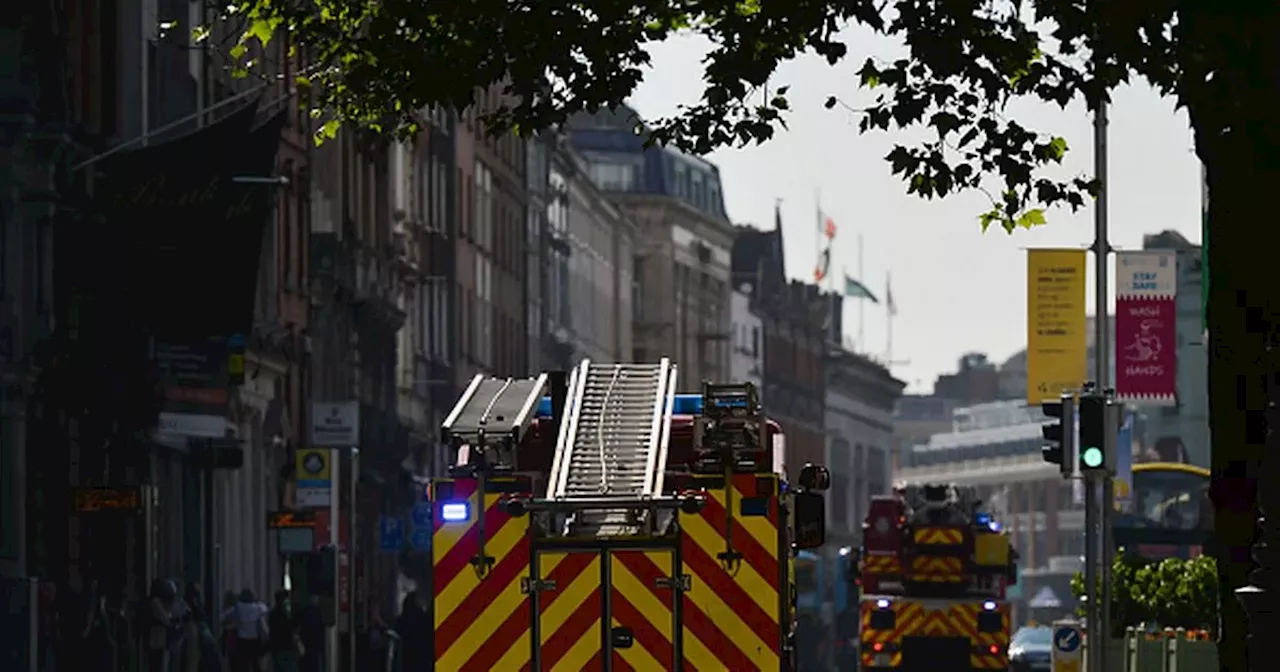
[454,512]
[684,404]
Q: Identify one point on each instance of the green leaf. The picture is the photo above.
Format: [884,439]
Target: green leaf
[327,131]
[988,218]
[238,51]
[1057,148]
[1031,219]
[263,29]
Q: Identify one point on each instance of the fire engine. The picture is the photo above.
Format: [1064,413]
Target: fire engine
[934,571]
[597,520]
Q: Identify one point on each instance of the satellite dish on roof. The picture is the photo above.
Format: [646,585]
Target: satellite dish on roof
[1045,598]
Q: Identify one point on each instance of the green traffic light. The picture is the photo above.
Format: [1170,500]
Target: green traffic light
[1092,457]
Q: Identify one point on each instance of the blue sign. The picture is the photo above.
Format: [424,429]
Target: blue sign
[421,514]
[1066,639]
[420,539]
[391,533]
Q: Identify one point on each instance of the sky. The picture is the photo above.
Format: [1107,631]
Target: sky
[957,290]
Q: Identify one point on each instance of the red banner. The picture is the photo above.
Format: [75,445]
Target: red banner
[1146,327]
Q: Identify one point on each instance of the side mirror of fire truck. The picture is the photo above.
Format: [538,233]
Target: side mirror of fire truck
[815,478]
[810,521]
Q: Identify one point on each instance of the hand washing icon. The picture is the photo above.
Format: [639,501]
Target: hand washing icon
[1145,346]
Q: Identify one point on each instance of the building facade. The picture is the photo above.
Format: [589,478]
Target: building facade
[683,247]
[107,84]
[797,320]
[860,399]
[491,248]
[590,277]
[746,356]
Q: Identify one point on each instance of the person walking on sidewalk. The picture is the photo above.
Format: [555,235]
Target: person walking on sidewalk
[311,631]
[249,618]
[283,637]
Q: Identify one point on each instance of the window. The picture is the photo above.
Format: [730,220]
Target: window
[609,176]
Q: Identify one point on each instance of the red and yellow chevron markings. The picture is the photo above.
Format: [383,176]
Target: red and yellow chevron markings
[479,614]
[908,616]
[946,536]
[569,613]
[937,569]
[881,564]
[641,600]
[965,619]
[913,619]
[731,615]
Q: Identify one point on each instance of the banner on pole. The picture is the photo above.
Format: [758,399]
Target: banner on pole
[1056,355]
[1147,327]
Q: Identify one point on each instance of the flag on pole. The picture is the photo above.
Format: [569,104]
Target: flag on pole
[888,296]
[856,290]
[824,264]
[827,225]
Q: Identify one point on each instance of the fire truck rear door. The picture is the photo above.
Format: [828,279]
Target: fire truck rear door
[641,607]
[569,603]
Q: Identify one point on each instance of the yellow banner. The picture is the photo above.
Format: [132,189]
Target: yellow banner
[1056,358]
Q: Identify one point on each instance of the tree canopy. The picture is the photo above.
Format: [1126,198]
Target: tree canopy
[378,64]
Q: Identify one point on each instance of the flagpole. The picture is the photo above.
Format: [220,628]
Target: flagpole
[888,311]
[861,304]
[817,228]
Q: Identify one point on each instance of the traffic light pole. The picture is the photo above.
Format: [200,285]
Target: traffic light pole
[1100,533]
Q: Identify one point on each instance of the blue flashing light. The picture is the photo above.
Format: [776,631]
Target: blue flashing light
[882,604]
[684,404]
[989,605]
[455,512]
[994,526]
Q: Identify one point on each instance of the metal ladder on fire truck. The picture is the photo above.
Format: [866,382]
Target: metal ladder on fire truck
[611,454]
[489,420]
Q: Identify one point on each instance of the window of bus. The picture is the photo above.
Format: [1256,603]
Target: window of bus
[1173,498]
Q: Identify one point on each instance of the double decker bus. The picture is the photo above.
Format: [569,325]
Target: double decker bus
[1171,514]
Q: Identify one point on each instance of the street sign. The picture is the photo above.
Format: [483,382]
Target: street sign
[277,520]
[421,514]
[1056,352]
[314,475]
[391,533]
[96,499]
[1068,640]
[420,539]
[335,424]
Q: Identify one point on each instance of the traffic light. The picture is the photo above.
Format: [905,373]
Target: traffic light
[1093,433]
[1059,436]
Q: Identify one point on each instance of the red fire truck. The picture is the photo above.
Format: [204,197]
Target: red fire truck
[616,525]
[934,571]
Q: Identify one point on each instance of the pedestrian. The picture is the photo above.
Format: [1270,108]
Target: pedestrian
[227,636]
[49,627]
[97,648]
[311,632]
[159,625]
[249,619]
[414,630]
[283,634]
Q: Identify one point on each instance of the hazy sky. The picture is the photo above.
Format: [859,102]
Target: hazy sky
[956,289]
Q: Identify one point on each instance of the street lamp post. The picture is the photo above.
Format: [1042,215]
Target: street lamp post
[1261,598]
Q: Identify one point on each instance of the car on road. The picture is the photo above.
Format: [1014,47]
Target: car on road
[1029,649]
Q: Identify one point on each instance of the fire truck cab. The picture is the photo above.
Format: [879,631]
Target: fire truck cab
[613,524]
[934,571]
